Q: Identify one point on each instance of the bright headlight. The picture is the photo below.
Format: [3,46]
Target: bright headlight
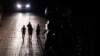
[27,6]
[19,6]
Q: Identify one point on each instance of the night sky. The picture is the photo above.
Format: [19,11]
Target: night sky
[40,5]
[36,5]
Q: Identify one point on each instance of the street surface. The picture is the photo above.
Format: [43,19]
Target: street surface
[11,42]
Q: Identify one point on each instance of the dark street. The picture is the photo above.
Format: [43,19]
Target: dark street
[48,28]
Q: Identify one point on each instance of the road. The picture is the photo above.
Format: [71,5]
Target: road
[11,42]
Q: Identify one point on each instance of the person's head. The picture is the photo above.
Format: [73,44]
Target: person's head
[29,22]
[38,24]
[23,25]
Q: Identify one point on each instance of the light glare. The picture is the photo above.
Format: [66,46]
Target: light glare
[19,6]
[28,5]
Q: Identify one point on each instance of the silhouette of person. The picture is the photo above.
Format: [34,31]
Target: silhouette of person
[38,30]
[30,29]
[29,25]
[23,31]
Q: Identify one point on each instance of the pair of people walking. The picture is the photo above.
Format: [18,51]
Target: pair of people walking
[30,30]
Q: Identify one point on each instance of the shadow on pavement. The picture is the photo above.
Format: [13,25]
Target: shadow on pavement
[22,49]
[30,46]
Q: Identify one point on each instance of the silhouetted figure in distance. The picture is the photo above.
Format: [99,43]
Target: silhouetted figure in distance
[30,29]
[23,31]
[38,30]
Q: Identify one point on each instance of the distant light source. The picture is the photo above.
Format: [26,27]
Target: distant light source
[53,33]
[27,5]
[19,6]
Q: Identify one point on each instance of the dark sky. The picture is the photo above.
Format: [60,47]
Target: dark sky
[36,5]
[40,5]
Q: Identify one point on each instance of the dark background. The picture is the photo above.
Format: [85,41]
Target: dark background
[83,12]
[36,5]
[40,5]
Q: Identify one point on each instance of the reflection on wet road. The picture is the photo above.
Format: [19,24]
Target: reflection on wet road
[11,42]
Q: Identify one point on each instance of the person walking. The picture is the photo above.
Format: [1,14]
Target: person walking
[23,31]
[38,30]
[30,29]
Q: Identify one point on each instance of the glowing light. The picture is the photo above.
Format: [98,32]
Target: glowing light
[19,6]
[28,6]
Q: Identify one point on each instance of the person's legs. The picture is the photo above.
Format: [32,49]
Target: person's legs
[23,35]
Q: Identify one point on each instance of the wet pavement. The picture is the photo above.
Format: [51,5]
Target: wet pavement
[11,42]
